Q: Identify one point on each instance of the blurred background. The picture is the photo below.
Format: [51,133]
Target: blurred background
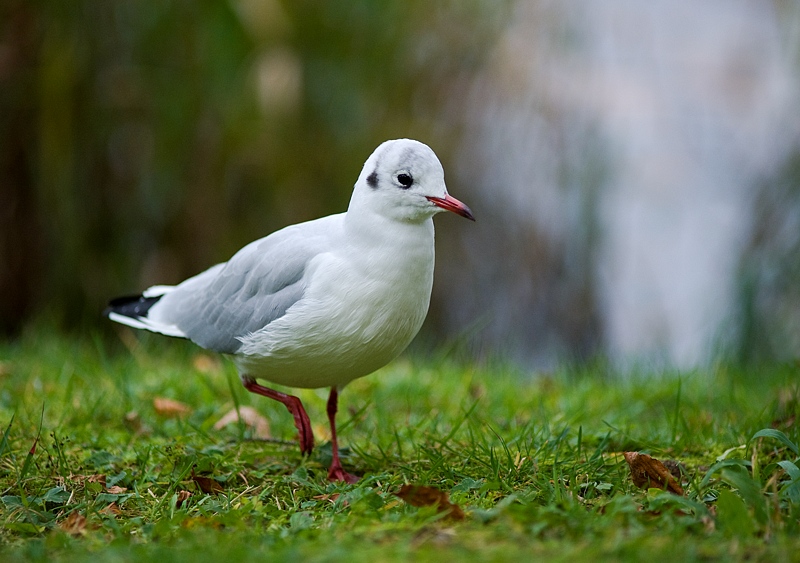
[634,166]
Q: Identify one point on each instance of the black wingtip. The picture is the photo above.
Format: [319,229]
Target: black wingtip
[134,306]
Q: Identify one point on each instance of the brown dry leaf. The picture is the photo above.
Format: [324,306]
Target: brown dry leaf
[207,484]
[647,472]
[329,497]
[419,495]
[116,490]
[250,417]
[169,408]
[183,496]
[74,525]
[112,508]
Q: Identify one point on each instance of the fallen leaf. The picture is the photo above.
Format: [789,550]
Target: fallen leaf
[112,508]
[648,472]
[419,495]
[250,417]
[74,525]
[169,408]
[116,490]
[183,496]
[207,484]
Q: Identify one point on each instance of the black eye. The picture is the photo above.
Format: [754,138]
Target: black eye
[405,180]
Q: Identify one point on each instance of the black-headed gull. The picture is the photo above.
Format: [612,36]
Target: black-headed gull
[320,303]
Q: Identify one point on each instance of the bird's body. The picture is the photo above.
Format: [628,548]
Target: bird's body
[320,303]
[358,313]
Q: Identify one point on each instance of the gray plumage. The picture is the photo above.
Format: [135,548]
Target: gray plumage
[232,300]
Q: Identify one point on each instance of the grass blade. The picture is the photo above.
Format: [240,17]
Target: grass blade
[748,489]
[792,488]
[791,470]
[718,467]
[4,442]
[241,425]
[777,435]
[31,452]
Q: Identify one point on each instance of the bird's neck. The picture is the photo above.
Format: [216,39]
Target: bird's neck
[395,244]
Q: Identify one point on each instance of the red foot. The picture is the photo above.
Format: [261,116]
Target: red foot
[301,421]
[336,473]
[339,474]
[293,404]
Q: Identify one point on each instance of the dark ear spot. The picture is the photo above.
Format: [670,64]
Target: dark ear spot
[372,179]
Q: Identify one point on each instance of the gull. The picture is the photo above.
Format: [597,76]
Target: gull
[320,303]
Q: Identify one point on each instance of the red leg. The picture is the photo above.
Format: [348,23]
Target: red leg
[295,407]
[336,472]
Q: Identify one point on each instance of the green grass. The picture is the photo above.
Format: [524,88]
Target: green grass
[533,459]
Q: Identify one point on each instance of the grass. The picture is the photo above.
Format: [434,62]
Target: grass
[90,468]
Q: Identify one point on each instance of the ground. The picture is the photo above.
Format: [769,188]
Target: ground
[111,448]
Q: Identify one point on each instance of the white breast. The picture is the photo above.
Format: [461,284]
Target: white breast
[363,307]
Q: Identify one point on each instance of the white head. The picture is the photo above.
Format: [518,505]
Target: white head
[403,180]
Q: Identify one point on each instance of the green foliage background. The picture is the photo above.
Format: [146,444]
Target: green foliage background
[141,143]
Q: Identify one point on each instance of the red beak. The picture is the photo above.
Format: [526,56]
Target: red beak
[450,203]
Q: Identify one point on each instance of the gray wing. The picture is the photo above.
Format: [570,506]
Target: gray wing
[255,287]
